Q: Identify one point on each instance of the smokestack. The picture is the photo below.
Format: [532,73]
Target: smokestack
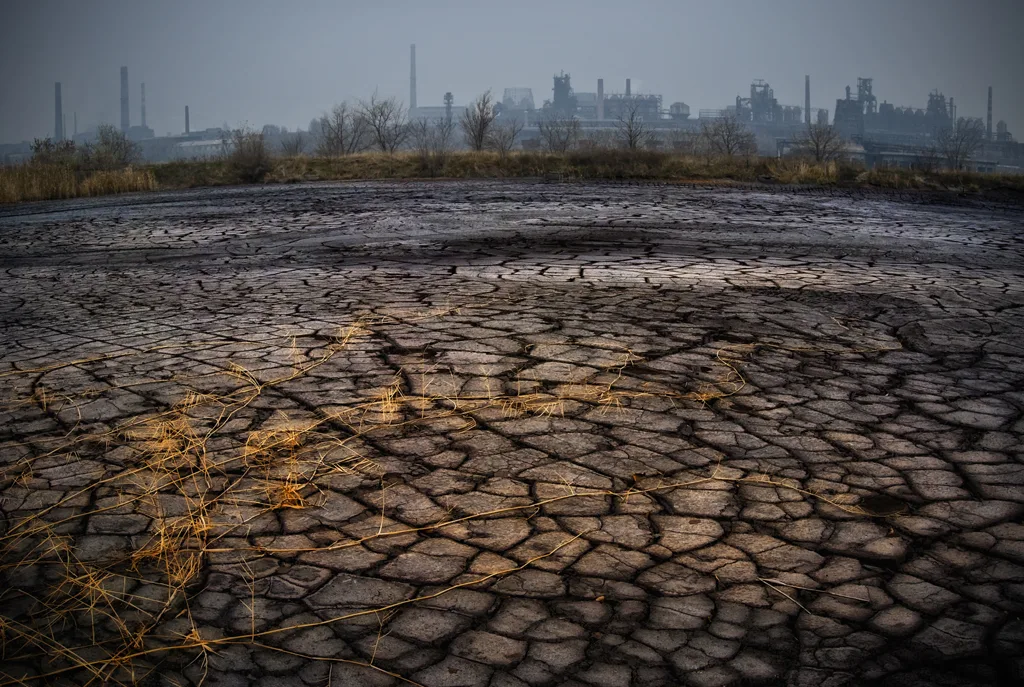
[143,105]
[125,118]
[58,114]
[807,100]
[627,88]
[76,125]
[412,77]
[600,98]
[989,128]
[186,119]
[952,111]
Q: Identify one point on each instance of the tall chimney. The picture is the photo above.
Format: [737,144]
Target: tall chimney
[627,88]
[600,98]
[143,105]
[412,77]
[76,124]
[807,100]
[125,118]
[58,114]
[989,128]
[186,119]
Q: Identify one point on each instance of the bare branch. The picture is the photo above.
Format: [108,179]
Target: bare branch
[633,132]
[503,134]
[476,121]
[387,121]
[823,142]
[960,142]
[293,145]
[342,131]
[728,136]
[433,141]
[558,133]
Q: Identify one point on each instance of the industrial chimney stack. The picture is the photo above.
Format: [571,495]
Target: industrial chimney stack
[143,105]
[627,88]
[125,118]
[412,77]
[600,99]
[186,120]
[989,128]
[807,100]
[58,114]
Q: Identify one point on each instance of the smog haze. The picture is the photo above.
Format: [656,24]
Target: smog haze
[258,62]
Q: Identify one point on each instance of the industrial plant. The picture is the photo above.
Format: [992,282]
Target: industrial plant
[876,132]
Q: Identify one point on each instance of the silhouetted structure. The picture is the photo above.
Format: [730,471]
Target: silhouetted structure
[807,99]
[564,102]
[412,77]
[58,114]
[988,127]
[125,115]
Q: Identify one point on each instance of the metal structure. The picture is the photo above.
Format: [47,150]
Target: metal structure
[518,99]
[564,101]
[143,104]
[988,128]
[865,96]
[807,99]
[58,114]
[125,115]
[412,77]
[762,107]
[449,100]
[679,111]
[600,99]
[187,131]
[648,107]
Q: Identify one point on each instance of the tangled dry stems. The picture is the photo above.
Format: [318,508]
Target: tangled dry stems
[188,484]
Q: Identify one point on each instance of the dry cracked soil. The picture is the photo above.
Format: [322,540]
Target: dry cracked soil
[469,434]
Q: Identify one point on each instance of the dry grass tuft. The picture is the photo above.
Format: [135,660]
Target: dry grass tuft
[53,182]
[201,471]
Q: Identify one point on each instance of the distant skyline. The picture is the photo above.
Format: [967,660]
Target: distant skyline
[268,62]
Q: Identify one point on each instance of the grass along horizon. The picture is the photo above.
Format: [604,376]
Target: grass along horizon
[37,181]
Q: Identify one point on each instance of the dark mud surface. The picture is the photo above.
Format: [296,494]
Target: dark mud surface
[510,434]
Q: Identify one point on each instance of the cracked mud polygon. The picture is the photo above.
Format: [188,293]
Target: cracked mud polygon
[509,434]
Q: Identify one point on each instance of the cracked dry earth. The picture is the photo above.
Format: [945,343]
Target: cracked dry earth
[512,434]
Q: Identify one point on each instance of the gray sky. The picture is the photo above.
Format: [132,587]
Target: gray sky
[272,61]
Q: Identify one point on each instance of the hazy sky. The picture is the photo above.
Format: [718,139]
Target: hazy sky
[284,62]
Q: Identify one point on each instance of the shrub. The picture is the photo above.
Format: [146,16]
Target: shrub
[248,159]
[112,150]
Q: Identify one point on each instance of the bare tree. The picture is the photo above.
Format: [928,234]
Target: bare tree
[342,131]
[559,134]
[633,132]
[476,121]
[387,122]
[503,134]
[293,145]
[822,142]
[599,139]
[728,136]
[112,149]
[248,157]
[46,152]
[433,141]
[683,141]
[960,142]
[927,160]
